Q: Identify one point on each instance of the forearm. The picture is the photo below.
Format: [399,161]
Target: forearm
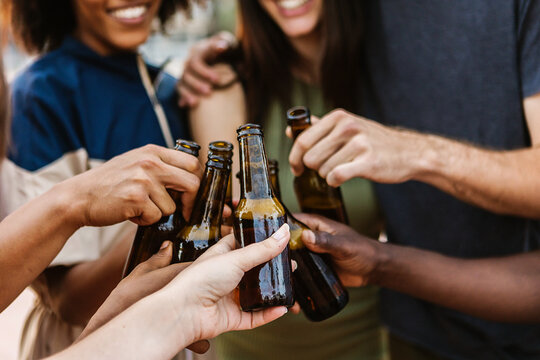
[504,182]
[499,289]
[217,117]
[40,228]
[84,287]
[156,327]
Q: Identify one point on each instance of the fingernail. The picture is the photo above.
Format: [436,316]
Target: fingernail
[281,234]
[165,245]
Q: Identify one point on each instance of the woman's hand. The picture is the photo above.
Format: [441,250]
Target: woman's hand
[208,287]
[133,186]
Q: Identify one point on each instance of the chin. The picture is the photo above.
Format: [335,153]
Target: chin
[299,28]
[130,42]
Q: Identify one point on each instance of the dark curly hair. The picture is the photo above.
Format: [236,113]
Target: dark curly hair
[40,26]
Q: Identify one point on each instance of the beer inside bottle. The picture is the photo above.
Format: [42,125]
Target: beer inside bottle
[317,288]
[312,191]
[258,215]
[203,228]
[225,150]
[148,239]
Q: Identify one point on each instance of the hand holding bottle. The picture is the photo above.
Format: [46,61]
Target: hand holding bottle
[354,255]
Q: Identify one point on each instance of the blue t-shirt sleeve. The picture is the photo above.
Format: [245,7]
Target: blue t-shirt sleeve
[529,46]
[43,126]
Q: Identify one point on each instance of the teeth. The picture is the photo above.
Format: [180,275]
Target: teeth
[291,4]
[129,13]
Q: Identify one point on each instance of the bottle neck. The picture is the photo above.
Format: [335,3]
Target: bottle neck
[254,179]
[297,128]
[208,208]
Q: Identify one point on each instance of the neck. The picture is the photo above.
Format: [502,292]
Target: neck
[308,48]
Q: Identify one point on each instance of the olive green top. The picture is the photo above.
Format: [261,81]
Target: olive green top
[355,332]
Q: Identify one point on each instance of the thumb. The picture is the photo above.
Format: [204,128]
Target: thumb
[159,260]
[318,241]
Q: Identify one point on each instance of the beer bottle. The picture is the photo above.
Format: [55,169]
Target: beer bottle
[317,288]
[204,227]
[312,191]
[224,149]
[149,238]
[258,215]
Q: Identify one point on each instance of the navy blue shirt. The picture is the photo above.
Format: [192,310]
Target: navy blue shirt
[461,69]
[73,98]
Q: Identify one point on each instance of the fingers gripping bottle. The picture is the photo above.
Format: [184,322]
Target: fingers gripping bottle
[258,215]
[314,194]
[148,239]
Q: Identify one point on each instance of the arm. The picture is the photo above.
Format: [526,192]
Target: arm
[129,187]
[498,289]
[217,117]
[342,146]
[197,304]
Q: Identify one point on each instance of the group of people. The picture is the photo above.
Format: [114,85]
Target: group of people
[435,144]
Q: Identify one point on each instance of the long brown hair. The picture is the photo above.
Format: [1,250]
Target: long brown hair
[268,56]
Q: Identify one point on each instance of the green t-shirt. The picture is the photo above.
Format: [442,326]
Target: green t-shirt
[355,332]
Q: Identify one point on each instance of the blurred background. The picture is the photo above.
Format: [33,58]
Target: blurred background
[181,33]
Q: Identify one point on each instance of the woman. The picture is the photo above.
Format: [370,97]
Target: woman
[87,98]
[292,53]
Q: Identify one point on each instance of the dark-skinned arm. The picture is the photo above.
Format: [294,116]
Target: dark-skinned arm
[500,289]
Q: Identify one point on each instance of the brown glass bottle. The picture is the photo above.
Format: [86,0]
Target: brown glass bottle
[258,215]
[225,150]
[203,228]
[312,191]
[317,288]
[148,239]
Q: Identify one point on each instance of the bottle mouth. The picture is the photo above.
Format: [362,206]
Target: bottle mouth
[298,113]
[190,147]
[220,146]
[249,129]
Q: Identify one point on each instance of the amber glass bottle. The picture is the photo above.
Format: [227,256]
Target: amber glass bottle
[149,238]
[225,150]
[317,288]
[258,215]
[312,191]
[203,228]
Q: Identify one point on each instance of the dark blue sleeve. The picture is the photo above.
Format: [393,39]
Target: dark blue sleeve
[43,122]
[529,46]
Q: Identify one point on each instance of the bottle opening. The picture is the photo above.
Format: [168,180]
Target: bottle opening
[249,129]
[298,113]
[220,146]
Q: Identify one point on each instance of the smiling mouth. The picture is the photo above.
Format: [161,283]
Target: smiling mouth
[130,13]
[292,4]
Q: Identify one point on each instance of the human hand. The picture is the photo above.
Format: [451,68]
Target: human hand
[147,278]
[133,186]
[207,287]
[354,256]
[199,76]
[342,146]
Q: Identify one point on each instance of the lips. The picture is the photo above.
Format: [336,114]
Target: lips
[293,8]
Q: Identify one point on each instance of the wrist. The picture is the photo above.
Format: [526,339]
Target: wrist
[381,259]
[431,157]
[69,204]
